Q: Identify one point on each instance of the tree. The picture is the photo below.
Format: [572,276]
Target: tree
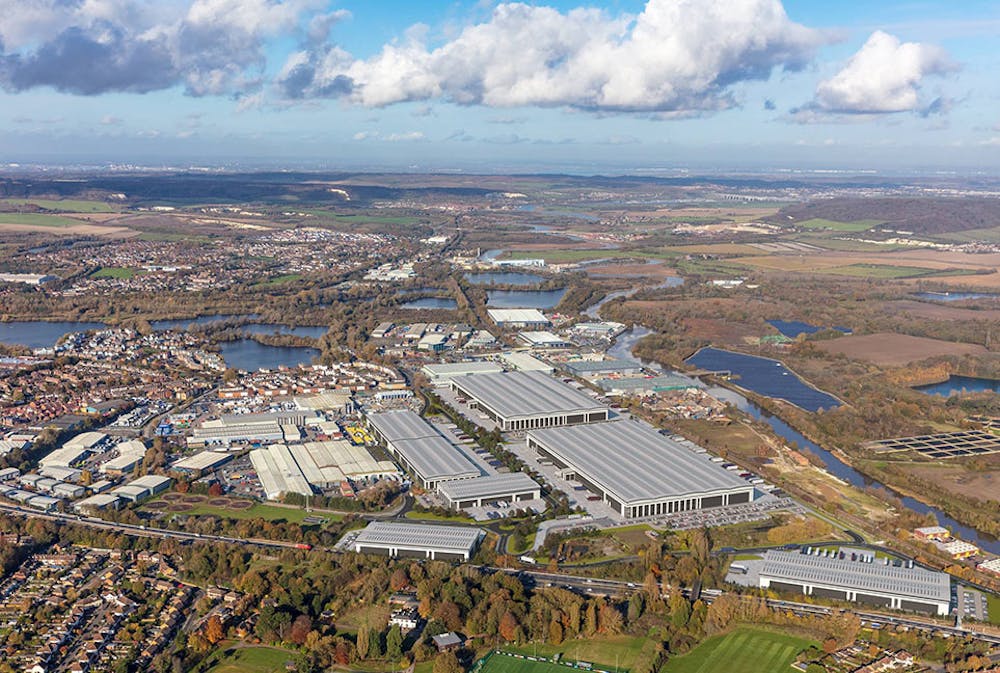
[300,629]
[213,630]
[447,662]
[364,636]
[399,579]
[374,645]
[508,627]
[680,610]
[394,643]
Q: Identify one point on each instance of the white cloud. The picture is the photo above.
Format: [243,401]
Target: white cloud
[406,136]
[884,76]
[675,56]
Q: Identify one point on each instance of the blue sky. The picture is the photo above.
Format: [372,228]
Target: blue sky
[620,85]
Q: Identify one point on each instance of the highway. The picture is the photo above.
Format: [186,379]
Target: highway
[539,578]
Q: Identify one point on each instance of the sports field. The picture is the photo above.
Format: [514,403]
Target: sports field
[501,663]
[740,651]
[253,660]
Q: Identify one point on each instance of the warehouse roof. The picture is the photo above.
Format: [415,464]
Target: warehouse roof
[633,462]
[600,366]
[201,461]
[526,394]
[462,368]
[401,424]
[916,583]
[422,536]
[529,316]
[484,487]
[278,472]
[435,457]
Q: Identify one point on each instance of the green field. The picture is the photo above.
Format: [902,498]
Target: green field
[879,271]
[561,256]
[252,660]
[818,223]
[499,663]
[37,220]
[114,272]
[64,205]
[605,651]
[740,651]
[257,511]
[993,608]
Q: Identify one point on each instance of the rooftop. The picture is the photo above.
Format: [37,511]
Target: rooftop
[428,452]
[633,462]
[916,583]
[446,538]
[500,484]
[599,366]
[517,315]
[526,394]
[401,424]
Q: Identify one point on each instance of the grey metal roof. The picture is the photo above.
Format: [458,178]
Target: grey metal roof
[429,453]
[435,458]
[401,424]
[633,462]
[591,366]
[419,536]
[484,487]
[515,394]
[914,583]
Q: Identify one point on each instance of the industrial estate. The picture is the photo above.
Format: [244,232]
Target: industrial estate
[430,427]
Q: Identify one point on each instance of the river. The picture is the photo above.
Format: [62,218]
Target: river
[834,465]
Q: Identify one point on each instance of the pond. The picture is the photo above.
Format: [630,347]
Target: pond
[250,356]
[793,328]
[446,303]
[540,299]
[764,376]
[956,385]
[41,334]
[504,278]
[954,296]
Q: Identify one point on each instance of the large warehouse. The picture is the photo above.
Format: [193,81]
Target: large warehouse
[420,448]
[849,575]
[417,540]
[638,471]
[513,487]
[526,400]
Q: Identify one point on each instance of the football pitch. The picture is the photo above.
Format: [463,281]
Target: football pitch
[502,663]
[741,651]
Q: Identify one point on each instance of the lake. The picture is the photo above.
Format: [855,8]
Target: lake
[764,376]
[540,299]
[504,278]
[956,385]
[446,303]
[953,296]
[41,334]
[250,356]
[793,328]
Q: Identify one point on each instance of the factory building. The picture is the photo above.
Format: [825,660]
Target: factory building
[199,463]
[278,472]
[142,488]
[420,448]
[638,471]
[527,400]
[441,374]
[853,575]
[587,369]
[415,540]
[518,318]
[513,488]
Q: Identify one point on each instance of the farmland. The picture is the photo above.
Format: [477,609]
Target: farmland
[895,349]
[62,205]
[820,223]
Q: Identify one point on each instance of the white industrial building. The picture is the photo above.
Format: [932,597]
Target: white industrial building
[130,454]
[278,471]
[518,317]
[526,400]
[514,487]
[142,488]
[205,461]
[420,448]
[520,361]
[441,374]
[417,540]
[543,339]
[75,450]
[853,575]
[638,471]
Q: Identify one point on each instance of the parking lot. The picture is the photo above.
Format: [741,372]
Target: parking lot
[971,604]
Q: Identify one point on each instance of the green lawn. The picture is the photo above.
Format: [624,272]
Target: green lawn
[993,608]
[253,660]
[257,511]
[604,651]
[500,663]
[63,205]
[741,651]
[818,223]
[114,272]
[430,516]
[879,271]
[37,220]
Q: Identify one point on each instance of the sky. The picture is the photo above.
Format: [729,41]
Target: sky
[642,86]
